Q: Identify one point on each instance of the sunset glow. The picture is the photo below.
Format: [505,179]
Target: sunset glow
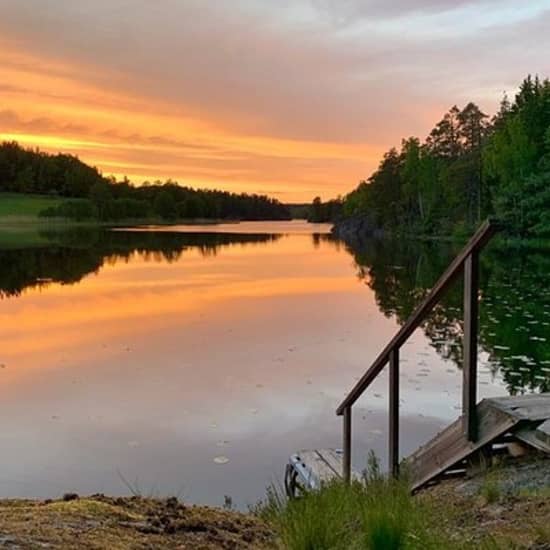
[292,102]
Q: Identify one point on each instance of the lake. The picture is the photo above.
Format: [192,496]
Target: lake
[193,360]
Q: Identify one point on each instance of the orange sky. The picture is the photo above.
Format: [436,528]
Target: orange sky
[293,102]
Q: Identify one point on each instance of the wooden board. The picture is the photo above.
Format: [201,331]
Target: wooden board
[536,435]
[319,466]
[495,417]
[532,407]
[316,462]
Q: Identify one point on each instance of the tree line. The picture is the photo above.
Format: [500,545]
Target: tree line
[90,195]
[469,167]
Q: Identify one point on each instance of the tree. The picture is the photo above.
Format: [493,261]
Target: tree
[164,205]
[444,139]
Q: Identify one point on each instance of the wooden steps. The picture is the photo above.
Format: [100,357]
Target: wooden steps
[499,422]
[525,417]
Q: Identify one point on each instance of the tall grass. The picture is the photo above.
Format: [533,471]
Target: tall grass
[378,513]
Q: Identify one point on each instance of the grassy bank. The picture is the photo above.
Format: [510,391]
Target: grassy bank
[20,208]
[488,511]
[382,515]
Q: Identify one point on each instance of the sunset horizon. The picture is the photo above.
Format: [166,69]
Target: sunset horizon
[292,103]
[275,274]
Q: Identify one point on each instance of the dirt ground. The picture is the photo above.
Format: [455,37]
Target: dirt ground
[100,522]
[505,508]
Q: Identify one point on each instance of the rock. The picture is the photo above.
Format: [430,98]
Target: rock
[356,227]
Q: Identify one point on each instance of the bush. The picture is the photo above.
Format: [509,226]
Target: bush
[75,209]
[376,514]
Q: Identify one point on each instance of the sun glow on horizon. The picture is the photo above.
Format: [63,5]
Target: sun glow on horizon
[295,103]
[126,135]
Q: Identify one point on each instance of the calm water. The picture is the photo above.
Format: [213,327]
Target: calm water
[194,360]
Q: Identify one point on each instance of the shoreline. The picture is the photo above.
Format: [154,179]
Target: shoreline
[503,506]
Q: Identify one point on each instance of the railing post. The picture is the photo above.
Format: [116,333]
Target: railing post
[346,474]
[469,370]
[394,413]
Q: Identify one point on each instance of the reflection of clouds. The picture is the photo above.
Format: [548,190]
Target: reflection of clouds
[148,366]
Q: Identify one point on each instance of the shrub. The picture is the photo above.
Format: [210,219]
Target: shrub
[75,209]
[376,514]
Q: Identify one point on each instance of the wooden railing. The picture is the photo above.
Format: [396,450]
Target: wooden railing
[468,263]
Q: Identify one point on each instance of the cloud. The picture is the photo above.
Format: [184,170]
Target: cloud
[12,122]
[348,11]
[206,79]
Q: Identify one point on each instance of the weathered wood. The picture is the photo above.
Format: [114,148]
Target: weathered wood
[476,243]
[469,370]
[537,435]
[319,467]
[533,407]
[451,447]
[346,467]
[334,460]
[394,413]
[495,418]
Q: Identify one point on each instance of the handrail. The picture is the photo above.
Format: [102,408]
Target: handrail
[478,241]
[467,262]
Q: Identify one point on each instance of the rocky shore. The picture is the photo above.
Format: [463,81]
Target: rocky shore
[356,228]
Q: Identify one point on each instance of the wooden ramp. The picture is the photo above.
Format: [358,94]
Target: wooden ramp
[525,418]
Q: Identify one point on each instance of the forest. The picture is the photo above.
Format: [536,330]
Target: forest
[469,167]
[90,195]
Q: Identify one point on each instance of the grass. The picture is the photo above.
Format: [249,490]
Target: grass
[490,489]
[378,513]
[21,207]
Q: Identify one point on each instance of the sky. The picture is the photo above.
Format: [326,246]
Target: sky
[291,98]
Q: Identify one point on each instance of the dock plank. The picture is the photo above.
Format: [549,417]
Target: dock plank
[319,468]
[537,436]
[451,446]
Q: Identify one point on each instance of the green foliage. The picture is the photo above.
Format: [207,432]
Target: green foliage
[377,515]
[490,489]
[164,205]
[75,209]
[15,204]
[467,169]
[320,212]
[30,171]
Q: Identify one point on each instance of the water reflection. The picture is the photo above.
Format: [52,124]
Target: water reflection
[67,256]
[151,353]
[514,305]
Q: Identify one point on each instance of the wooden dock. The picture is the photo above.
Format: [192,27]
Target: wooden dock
[502,420]
[309,469]
[481,428]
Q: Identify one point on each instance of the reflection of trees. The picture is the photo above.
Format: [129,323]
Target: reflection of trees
[514,308]
[73,255]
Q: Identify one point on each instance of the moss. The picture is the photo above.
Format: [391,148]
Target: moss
[117,523]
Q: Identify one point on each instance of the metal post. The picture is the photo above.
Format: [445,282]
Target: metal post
[394,413]
[469,371]
[346,474]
